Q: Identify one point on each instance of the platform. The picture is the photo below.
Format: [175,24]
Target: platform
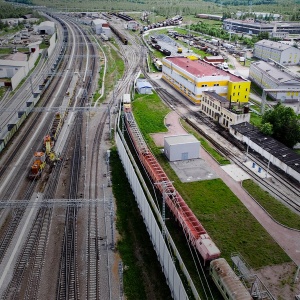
[193,170]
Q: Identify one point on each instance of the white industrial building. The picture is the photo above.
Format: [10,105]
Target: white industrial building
[143,86]
[107,31]
[46,27]
[101,26]
[181,147]
[268,76]
[273,151]
[279,52]
[16,67]
[223,111]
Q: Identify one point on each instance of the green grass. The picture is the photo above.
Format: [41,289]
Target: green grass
[225,218]
[137,253]
[276,209]
[150,107]
[6,50]
[3,89]
[255,119]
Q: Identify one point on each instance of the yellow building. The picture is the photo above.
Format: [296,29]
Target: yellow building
[191,78]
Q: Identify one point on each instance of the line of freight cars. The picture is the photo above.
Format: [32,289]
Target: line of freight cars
[224,277]
[119,34]
[123,16]
[169,22]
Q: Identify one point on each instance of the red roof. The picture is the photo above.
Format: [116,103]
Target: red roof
[201,68]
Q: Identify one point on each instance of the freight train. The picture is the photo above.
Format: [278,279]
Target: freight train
[119,34]
[123,16]
[226,280]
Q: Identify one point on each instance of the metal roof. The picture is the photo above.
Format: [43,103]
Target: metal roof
[201,68]
[275,73]
[277,149]
[47,23]
[181,139]
[273,45]
[99,21]
[216,96]
[143,84]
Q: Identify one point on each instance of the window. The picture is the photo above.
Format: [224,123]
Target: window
[233,94]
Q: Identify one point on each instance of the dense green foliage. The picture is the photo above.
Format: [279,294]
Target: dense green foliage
[276,209]
[142,272]
[241,2]
[285,124]
[10,11]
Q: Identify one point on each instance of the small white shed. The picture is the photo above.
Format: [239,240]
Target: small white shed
[181,147]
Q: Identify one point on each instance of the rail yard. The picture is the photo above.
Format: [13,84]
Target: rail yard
[58,237]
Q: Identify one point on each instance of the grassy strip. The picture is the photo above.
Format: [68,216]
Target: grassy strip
[142,273]
[150,107]
[206,145]
[226,219]
[276,209]
[100,82]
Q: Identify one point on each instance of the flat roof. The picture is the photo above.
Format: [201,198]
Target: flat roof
[216,96]
[143,84]
[18,56]
[275,73]
[273,45]
[201,68]
[277,149]
[99,21]
[181,139]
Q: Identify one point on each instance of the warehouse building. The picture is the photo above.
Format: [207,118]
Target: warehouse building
[143,86]
[273,151]
[101,26]
[193,77]
[181,147]
[251,27]
[268,76]
[282,53]
[223,111]
[46,27]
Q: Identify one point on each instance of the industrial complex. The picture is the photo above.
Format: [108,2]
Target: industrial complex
[193,77]
[282,53]
[268,76]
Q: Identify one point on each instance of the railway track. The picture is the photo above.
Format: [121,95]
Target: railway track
[32,253]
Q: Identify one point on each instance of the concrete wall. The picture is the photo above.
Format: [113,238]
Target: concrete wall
[52,43]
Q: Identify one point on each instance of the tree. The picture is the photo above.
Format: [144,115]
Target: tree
[266,128]
[286,124]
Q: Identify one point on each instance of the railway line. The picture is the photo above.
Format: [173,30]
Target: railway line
[36,241]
